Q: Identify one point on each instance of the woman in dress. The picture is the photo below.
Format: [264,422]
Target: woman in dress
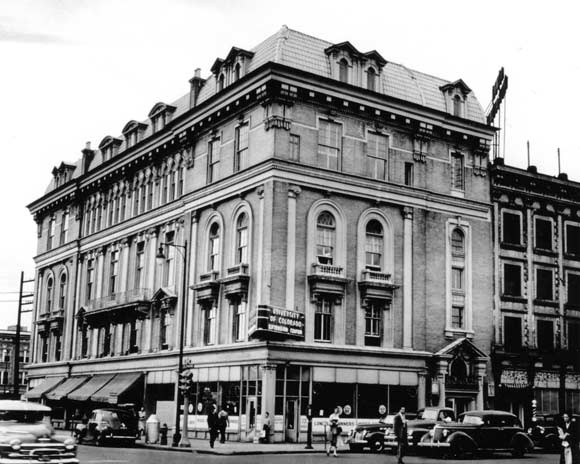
[568,433]
[335,431]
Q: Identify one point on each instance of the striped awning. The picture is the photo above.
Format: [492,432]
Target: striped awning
[40,390]
[120,384]
[66,387]
[85,392]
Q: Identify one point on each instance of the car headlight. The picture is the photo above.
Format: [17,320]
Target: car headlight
[542,429]
[445,432]
[530,431]
[15,444]
[69,444]
[431,432]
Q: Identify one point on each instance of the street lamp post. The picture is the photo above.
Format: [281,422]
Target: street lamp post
[178,439]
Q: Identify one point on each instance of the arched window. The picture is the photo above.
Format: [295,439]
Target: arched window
[457,105]
[242,239]
[457,243]
[214,247]
[237,72]
[343,70]
[458,369]
[49,294]
[371,79]
[62,292]
[374,245]
[221,82]
[325,238]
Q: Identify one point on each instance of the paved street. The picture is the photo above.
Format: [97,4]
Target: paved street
[110,455]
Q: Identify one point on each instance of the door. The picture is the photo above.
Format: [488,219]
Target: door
[251,412]
[292,421]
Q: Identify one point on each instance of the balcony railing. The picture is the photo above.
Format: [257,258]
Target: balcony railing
[238,269]
[327,270]
[116,299]
[376,276]
[211,276]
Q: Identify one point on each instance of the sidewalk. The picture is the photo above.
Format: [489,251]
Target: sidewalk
[240,448]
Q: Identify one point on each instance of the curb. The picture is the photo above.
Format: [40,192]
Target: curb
[229,452]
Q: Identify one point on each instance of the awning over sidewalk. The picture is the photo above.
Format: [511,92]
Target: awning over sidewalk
[85,392]
[40,390]
[69,385]
[120,384]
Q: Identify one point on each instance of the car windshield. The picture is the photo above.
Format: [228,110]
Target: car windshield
[427,414]
[118,416]
[28,417]
[389,419]
[475,420]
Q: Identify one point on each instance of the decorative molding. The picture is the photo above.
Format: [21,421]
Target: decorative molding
[277,122]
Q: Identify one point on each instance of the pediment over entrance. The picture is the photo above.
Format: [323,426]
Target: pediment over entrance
[461,346]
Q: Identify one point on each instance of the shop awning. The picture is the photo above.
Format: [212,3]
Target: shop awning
[40,390]
[69,385]
[120,384]
[85,392]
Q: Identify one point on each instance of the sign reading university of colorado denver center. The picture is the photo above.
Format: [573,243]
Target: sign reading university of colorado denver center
[279,321]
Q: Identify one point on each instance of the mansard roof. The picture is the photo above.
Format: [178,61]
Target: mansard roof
[458,84]
[131,125]
[108,140]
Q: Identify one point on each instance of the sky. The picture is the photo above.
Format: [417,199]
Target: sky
[73,71]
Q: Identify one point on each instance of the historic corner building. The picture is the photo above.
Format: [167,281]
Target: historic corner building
[536,351]
[332,211]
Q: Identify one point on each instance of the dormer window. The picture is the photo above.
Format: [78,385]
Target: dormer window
[237,72]
[455,97]
[160,116]
[457,106]
[62,174]
[221,82]
[232,68]
[109,147]
[371,79]
[343,70]
[132,132]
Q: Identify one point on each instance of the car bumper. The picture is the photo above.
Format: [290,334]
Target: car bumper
[392,443]
[356,441]
[434,444]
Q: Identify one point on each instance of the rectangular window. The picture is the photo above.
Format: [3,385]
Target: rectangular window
[164,189]
[180,182]
[573,239]
[377,154]
[140,265]
[241,157]
[57,346]
[573,286]
[64,228]
[573,335]
[545,333]
[544,284]
[143,201]
[511,228]
[51,229]
[373,318]
[213,160]
[90,279]
[110,211]
[329,143]
[512,279]
[323,321]
[294,147]
[543,234]
[114,272]
[168,267]
[373,252]
[172,185]
[164,328]
[409,175]
[136,200]
[117,210]
[457,282]
[457,172]
[209,326]
[150,196]
[512,333]
[239,321]
[123,208]
[457,321]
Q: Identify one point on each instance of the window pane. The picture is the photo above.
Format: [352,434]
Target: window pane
[457,279]
[512,333]
[545,335]
[572,239]
[512,280]
[543,234]
[511,228]
[457,181]
[573,286]
[544,284]
[457,243]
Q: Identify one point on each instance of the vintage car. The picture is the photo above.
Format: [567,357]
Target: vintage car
[478,431]
[109,425]
[543,431]
[370,435]
[426,419]
[26,435]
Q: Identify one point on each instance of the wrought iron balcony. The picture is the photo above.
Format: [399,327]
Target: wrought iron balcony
[120,299]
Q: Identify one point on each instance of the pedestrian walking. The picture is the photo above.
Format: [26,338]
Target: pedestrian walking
[570,440]
[267,427]
[223,423]
[142,415]
[213,424]
[400,429]
[335,431]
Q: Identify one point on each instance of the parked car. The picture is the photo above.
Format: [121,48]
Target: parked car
[426,419]
[26,435]
[478,431]
[109,425]
[544,431]
[370,435]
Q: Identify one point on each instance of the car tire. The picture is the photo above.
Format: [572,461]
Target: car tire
[456,450]
[518,452]
[377,443]
[100,439]
[355,448]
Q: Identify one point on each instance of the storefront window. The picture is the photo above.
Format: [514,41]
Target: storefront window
[370,398]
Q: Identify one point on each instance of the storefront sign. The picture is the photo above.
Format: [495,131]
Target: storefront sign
[347,410]
[279,321]
[382,409]
[514,378]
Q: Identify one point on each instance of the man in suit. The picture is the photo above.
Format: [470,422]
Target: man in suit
[400,429]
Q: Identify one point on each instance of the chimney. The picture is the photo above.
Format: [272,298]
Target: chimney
[196,84]
[88,156]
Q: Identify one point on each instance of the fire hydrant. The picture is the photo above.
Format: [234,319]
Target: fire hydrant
[163,433]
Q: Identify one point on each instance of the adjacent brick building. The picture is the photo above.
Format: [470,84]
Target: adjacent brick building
[8,359]
[333,211]
[537,291]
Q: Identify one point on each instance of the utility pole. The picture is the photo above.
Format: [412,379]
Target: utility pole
[23,300]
